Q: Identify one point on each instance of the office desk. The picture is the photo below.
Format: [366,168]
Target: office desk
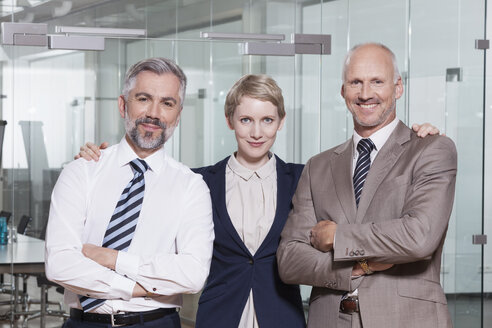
[26,255]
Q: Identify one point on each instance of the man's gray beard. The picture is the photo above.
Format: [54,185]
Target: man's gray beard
[146,141]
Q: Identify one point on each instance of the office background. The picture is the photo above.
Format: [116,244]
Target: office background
[54,100]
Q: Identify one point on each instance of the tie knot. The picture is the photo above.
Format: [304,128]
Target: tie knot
[365,146]
[139,165]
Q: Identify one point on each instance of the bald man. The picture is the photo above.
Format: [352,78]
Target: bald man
[370,216]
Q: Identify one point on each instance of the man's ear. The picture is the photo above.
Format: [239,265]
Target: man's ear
[398,88]
[121,105]
[342,91]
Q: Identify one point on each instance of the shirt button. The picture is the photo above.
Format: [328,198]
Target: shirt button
[154,289]
[250,261]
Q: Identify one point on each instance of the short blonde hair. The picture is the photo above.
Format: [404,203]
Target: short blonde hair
[257,86]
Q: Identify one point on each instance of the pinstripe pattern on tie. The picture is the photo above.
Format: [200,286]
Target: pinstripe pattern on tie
[365,146]
[123,223]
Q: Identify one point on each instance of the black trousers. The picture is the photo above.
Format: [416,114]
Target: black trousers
[169,321]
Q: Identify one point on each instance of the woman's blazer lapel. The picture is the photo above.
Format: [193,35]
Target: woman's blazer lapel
[217,186]
[285,184]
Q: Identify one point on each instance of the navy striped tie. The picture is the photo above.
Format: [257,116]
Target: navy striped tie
[365,146]
[123,223]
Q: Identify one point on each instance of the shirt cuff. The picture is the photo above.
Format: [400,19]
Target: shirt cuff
[122,287]
[127,265]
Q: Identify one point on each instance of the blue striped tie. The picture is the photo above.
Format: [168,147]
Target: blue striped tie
[365,146]
[123,223]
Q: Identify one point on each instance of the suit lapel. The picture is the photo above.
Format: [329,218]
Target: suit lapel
[382,165]
[284,185]
[217,193]
[342,177]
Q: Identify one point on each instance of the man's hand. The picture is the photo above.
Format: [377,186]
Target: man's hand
[373,266]
[323,234]
[102,255]
[139,291]
[107,257]
[425,129]
[90,151]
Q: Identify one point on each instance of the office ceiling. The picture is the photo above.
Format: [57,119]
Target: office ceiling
[158,17]
[101,13]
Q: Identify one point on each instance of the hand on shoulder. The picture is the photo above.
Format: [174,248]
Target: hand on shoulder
[425,129]
[91,151]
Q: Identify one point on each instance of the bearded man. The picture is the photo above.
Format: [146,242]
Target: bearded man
[130,233]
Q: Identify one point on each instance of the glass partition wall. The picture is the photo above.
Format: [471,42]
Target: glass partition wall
[55,100]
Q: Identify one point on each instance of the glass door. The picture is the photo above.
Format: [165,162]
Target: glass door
[443,75]
[446,80]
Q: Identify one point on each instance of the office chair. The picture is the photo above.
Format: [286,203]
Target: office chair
[22,228]
[24,224]
[44,284]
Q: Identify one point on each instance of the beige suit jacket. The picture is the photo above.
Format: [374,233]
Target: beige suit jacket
[402,219]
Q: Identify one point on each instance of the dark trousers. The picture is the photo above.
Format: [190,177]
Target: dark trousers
[169,321]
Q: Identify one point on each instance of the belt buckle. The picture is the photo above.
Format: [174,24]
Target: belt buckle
[113,324]
[354,299]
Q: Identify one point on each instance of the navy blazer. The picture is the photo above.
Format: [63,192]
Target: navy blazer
[234,271]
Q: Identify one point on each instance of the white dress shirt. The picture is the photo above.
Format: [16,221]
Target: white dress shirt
[251,201]
[379,138]
[170,252]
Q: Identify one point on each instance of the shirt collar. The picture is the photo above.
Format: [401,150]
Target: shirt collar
[263,172]
[126,155]
[379,137]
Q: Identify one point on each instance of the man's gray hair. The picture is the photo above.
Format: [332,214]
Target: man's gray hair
[158,66]
[348,56]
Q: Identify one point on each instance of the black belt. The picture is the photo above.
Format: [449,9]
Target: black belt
[120,319]
[349,305]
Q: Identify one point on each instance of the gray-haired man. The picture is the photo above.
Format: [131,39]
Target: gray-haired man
[129,234]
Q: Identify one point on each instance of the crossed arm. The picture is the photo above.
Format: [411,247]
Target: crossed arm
[168,266]
[322,238]
[413,236]
[107,258]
